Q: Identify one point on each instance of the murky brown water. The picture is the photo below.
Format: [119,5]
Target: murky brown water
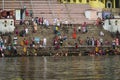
[60,68]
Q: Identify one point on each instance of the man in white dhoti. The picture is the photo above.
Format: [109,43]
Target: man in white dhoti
[44,42]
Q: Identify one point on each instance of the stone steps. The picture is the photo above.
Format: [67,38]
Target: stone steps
[93,31]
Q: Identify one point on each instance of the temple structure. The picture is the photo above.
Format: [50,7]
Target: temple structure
[96,3]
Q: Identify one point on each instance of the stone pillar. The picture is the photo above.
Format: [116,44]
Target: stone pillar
[104,1]
[114,5]
[71,1]
[77,1]
[118,3]
[3,4]
[63,1]
[84,1]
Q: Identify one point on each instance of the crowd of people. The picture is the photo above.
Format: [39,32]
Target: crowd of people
[11,45]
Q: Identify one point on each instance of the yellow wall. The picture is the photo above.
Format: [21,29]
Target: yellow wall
[72,1]
[84,1]
[93,3]
[97,4]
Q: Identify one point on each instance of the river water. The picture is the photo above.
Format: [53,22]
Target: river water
[60,68]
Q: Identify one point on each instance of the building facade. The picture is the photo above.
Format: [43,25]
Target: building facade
[96,3]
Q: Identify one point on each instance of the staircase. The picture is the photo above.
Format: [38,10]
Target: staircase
[93,31]
[50,9]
